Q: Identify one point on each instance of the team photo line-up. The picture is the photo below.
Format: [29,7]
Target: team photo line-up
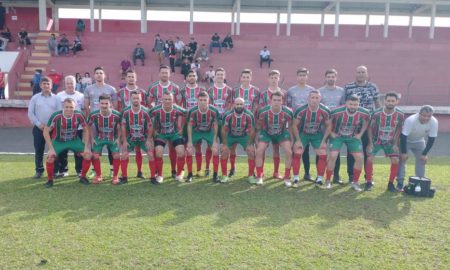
[134,119]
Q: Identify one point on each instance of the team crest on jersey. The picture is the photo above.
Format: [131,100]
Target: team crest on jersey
[67,135]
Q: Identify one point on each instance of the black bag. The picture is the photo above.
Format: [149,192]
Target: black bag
[420,187]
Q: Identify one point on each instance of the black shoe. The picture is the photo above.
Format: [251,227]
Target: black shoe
[37,175]
[215,178]
[350,179]
[399,186]
[153,181]
[231,174]
[207,173]
[174,174]
[49,184]
[391,187]
[318,182]
[58,175]
[189,178]
[308,177]
[337,180]
[84,181]
[124,180]
[368,186]
[140,175]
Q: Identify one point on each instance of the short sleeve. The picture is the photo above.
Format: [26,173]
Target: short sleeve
[434,128]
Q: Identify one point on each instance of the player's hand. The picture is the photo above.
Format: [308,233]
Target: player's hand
[424,158]
[369,148]
[125,146]
[214,147]
[224,148]
[51,153]
[358,136]
[333,135]
[189,146]
[404,157]
[323,145]
[395,148]
[298,144]
[41,127]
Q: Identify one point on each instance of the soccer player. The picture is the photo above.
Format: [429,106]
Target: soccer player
[265,100]
[250,94]
[63,126]
[307,128]
[272,125]
[167,120]
[220,96]
[136,131]
[104,130]
[348,124]
[124,101]
[238,128]
[384,134]
[203,125]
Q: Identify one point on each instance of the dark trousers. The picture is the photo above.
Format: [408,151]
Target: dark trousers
[61,165]
[262,60]
[351,159]
[138,57]
[2,92]
[305,159]
[172,64]
[39,147]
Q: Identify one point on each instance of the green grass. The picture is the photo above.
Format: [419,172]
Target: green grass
[216,226]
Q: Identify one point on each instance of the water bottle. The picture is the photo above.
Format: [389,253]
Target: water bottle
[417,189]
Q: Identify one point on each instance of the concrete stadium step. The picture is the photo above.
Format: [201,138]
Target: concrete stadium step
[40,54]
[33,68]
[40,41]
[24,85]
[38,61]
[23,93]
[26,77]
[44,34]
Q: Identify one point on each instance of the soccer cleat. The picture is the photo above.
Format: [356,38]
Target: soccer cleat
[337,180]
[154,181]
[277,176]
[224,179]
[179,178]
[123,180]
[215,178]
[350,179]
[91,175]
[49,184]
[37,175]
[287,183]
[295,183]
[159,179]
[84,181]
[97,180]
[308,177]
[399,186]
[174,174]
[252,179]
[327,184]
[259,181]
[319,181]
[368,186]
[231,174]
[111,172]
[356,187]
[115,181]
[189,178]
[206,172]
[140,175]
[391,187]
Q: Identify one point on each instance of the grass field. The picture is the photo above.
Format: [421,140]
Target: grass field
[202,225]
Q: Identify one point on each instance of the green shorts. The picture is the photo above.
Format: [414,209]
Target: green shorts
[353,145]
[197,137]
[314,139]
[275,139]
[239,140]
[132,145]
[98,146]
[174,138]
[75,145]
[388,150]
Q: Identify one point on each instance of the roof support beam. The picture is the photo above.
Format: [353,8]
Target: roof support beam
[367,25]
[232,20]
[42,15]
[289,13]
[410,26]
[55,17]
[278,23]
[92,22]
[433,18]
[143,16]
[191,17]
[421,9]
[238,17]
[336,18]
[386,19]
[100,28]
[322,24]
[329,7]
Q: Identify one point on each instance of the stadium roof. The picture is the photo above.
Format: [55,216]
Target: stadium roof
[396,7]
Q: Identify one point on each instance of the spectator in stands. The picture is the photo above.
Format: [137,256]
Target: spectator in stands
[193,45]
[264,56]
[228,42]
[35,82]
[138,53]
[202,54]
[210,75]
[6,33]
[2,16]
[76,47]
[80,27]
[125,65]
[195,66]
[166,47]
[185,67]
[3,43]
[63,45]
[56,80]
[86,81]
[24,40]
[179,44]
[187,53]
[172,55]
[158,48]
[78,79]
[215,42]
[52,45]
[2,84]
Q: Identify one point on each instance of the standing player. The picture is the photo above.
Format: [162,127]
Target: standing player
[238,128]
[273,122]
[136,131]
[167,120]
[307,128]
[250,94]
[104,130]
[384,134]
[348,124]
[63,126]
[203,125]
[220,96]
[124,101]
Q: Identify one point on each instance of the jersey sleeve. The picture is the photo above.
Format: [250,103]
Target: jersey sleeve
[114,97]
[52,121]
[81,120]
[434,128]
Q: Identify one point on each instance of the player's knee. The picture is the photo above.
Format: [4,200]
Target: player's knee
[395,160]
[96,156]
[159,152]
[125,156]
[50,159]
[116,155]
[180,151]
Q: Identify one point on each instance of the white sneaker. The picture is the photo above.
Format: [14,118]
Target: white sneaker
[179,178]
[295,183]
[259,181]
[356,187]
[159,179]
[287,182]
[328,184]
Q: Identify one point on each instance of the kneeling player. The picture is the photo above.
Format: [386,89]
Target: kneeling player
[167,125]
[63,126]
[104,128]
[238,128]
[384,133]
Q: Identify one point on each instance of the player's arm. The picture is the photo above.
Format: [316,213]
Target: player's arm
[189,134]
[150,134]
[215,130]
[86,139]
[363,128]
[48,141]
[86,105]
[327,133]
[124,136]
[370,136]
[252,132]
[295,132]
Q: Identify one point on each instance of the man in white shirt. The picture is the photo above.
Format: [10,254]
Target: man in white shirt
[416,128]
[264,56]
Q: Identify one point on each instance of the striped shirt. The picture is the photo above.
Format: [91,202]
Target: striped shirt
[250,96]
[238,125]
[166,122]
[65,129]
[156,91]
[274,123]
[203,121]
[221,98]
[189,96]
[124,97]
[266,96]
[312,122]
[386,127]
[105,126]
[136,123]
[348,125]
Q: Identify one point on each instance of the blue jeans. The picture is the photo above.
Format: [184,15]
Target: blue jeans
[215,44]
[39,147]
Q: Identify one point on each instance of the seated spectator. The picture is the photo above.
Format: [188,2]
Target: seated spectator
[78,79]
[159,48]
[3,43]
[63,45]
[196,67]
[202,54]
[56,80]
[138,53]
[76,47]
[125,65]
[2,84]
[187,53]
[86,81]
[264,56]
[6,33]
[172,55]
[210,75]
[35,82]
[228,42]
[179,44]
[52,45]
[80,27]
[24,40]
[215,42]
[185,67]
[193,45]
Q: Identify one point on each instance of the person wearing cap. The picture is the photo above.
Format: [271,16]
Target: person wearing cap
[264,56]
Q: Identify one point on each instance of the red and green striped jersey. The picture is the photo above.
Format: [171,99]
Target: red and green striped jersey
[274,123]
[220,98]
[156,91]
[250,96]
[65,129]
[136,123]
[189,96]
[348,125]
[105,126]
[238,125]
[312,122]
[386,127]
[264,97]
[203,121]
[166,122]
[124,97]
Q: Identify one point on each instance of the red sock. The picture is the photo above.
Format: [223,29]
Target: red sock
[356,174]
[198,160]
[189,163]
[180,165]
[276,164]
[259,171]
[321,164]
[369,170]
[50,167]
[159,165]
[251,167]
[233,161]
[116,164]
[216,163]
[287,173]
[152,167]
[223,165]
[85,165]
[208,156]
[296,164]
[173,158]
[138,159]
[394,171]
[329,174]
[97,167]
[124,167]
